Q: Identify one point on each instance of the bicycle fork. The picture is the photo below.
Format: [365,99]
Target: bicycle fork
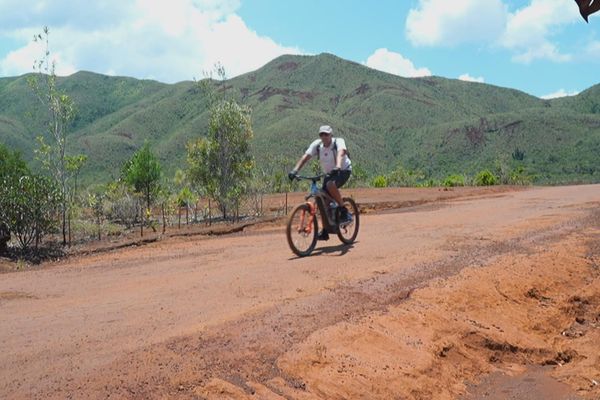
[307,228]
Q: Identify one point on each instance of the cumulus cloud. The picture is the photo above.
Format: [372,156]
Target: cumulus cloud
[469,78]
[448,23]
[167,41]
[527,32]
[22,60]
[394,63]
[559,93]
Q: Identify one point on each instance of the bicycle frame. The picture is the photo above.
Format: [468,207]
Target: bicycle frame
[321,200]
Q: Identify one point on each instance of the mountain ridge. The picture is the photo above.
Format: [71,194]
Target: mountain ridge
[434,124]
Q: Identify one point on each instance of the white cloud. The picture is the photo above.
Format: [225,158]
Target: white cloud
[394,63]
[530,28]
[559,93]
[448,23]
[469,78]
[168,41]
[18,61]
[527,32]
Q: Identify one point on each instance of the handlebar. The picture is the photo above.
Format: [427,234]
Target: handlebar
[310,178]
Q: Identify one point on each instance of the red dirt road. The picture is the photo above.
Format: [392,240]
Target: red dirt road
[239,317]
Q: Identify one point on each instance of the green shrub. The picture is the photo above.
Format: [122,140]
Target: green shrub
[379,181]
[454,180]
[402,176]
[28,207]
[485,178]
[518,176]
[428,183]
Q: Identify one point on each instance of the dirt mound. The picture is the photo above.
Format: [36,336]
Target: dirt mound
[541,309]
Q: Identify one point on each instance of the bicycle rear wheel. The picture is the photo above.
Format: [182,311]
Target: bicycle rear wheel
[348,232]
[301,231]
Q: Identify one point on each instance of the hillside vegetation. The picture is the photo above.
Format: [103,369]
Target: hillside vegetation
[435,125]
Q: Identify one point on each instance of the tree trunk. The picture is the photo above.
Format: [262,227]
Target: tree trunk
[69,227]
[142,221]
[148,197]
[209,213]
[163,218]
[64,225]
[37,237]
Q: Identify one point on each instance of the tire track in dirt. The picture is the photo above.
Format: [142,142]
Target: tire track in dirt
[240,358]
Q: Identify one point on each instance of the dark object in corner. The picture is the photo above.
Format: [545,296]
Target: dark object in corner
[588,7]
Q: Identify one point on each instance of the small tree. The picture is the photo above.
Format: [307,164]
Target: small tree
[184,195]
[119,204]
[275,171]
[142,173]
[95,203]
[73,166]
[28,207]
[185,198]
[12,167]
[61,111]
[260,185]
[222,163]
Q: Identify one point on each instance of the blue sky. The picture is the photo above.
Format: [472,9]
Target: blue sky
[542,47]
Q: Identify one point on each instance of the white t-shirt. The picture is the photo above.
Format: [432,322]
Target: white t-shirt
[326,154]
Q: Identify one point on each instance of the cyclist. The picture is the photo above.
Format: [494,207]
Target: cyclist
[333,156]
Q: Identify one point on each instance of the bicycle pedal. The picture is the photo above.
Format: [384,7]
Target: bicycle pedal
[345,224]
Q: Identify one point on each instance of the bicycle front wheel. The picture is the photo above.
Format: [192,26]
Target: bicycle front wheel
[348,232]
[301,231]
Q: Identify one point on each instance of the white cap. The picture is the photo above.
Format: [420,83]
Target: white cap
[325,129]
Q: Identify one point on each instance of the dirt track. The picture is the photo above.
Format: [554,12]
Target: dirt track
[428,299]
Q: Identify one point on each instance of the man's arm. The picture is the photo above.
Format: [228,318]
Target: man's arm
[299,166]
[340,156]
[303,160]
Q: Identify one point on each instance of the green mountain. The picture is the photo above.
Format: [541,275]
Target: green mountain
[440,126]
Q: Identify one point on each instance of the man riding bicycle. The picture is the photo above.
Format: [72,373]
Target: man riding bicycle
[333,156]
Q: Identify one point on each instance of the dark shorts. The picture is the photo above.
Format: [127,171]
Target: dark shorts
[340,179]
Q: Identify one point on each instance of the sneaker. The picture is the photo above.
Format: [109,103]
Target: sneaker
[323,235]
[345,217]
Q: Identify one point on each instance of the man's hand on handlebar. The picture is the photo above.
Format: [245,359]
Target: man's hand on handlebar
[292,174]
[334,172]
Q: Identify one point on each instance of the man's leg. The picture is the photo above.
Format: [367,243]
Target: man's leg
[334,192]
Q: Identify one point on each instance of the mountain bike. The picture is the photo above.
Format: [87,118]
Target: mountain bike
[303,223]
